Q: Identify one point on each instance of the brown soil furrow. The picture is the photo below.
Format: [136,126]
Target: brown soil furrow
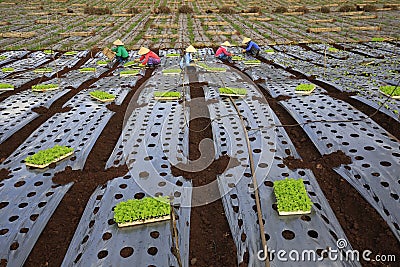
[211,242]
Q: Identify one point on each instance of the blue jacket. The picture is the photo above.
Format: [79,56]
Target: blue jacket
[186,59]
[250,45]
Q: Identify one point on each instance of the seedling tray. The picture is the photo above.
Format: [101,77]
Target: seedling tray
[128,74]
[252,62]
[141,222]
[47,164]
[104,100]
[393,96]
[7,89]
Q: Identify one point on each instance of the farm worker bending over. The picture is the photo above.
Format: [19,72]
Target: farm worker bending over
[251,47]
[120,52]
[148,57]
[222,52]
[188,57]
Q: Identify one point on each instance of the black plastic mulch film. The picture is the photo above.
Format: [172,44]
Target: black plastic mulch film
[29,197]
[375,154]
[17,110]
[312,232]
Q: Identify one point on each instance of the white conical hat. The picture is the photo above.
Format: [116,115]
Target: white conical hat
[226,43]
[143,51]
[118,42]
[191,49]
[246,40]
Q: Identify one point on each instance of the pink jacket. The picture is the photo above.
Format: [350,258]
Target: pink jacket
[222,50]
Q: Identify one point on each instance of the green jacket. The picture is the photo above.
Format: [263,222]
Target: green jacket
[120,51]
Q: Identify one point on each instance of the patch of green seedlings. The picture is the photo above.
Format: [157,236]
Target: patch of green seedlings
[390,90]
[167,94]
[237,58]
[305,87]
[43,70]
[103,62]
[141,209]
[292,196]
[171,71]
[4,86]
[49,155]
[333,50]
[102,95]
[3,57]
[269,51]
[87,69]
[44,87]
[48,51]
[7,69]
[232,91]
[378,39]
[129,72]
[70,53]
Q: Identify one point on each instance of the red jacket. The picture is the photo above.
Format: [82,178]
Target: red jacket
[147,56]
[222,50]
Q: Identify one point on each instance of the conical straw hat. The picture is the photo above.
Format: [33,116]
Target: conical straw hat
[143,51]
[246,40]
[191,49]
[226,43]
[118,42]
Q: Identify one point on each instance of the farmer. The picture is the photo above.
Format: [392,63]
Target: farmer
[121,54]
[252,48]
[188,57]
[148,58]
[222,52]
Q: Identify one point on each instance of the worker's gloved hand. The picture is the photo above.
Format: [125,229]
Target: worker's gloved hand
[244,51]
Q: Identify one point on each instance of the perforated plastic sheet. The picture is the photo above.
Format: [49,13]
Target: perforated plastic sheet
[34,60]
[277,81]
[30,194]
[375,153]
[155,128]
[98,241]
[169,62]
[18,112]
[269,145]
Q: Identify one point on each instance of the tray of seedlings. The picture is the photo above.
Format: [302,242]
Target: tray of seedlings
[102,96]
[44,158]
[142,211]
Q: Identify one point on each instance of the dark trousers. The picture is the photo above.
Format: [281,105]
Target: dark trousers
[253,52]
